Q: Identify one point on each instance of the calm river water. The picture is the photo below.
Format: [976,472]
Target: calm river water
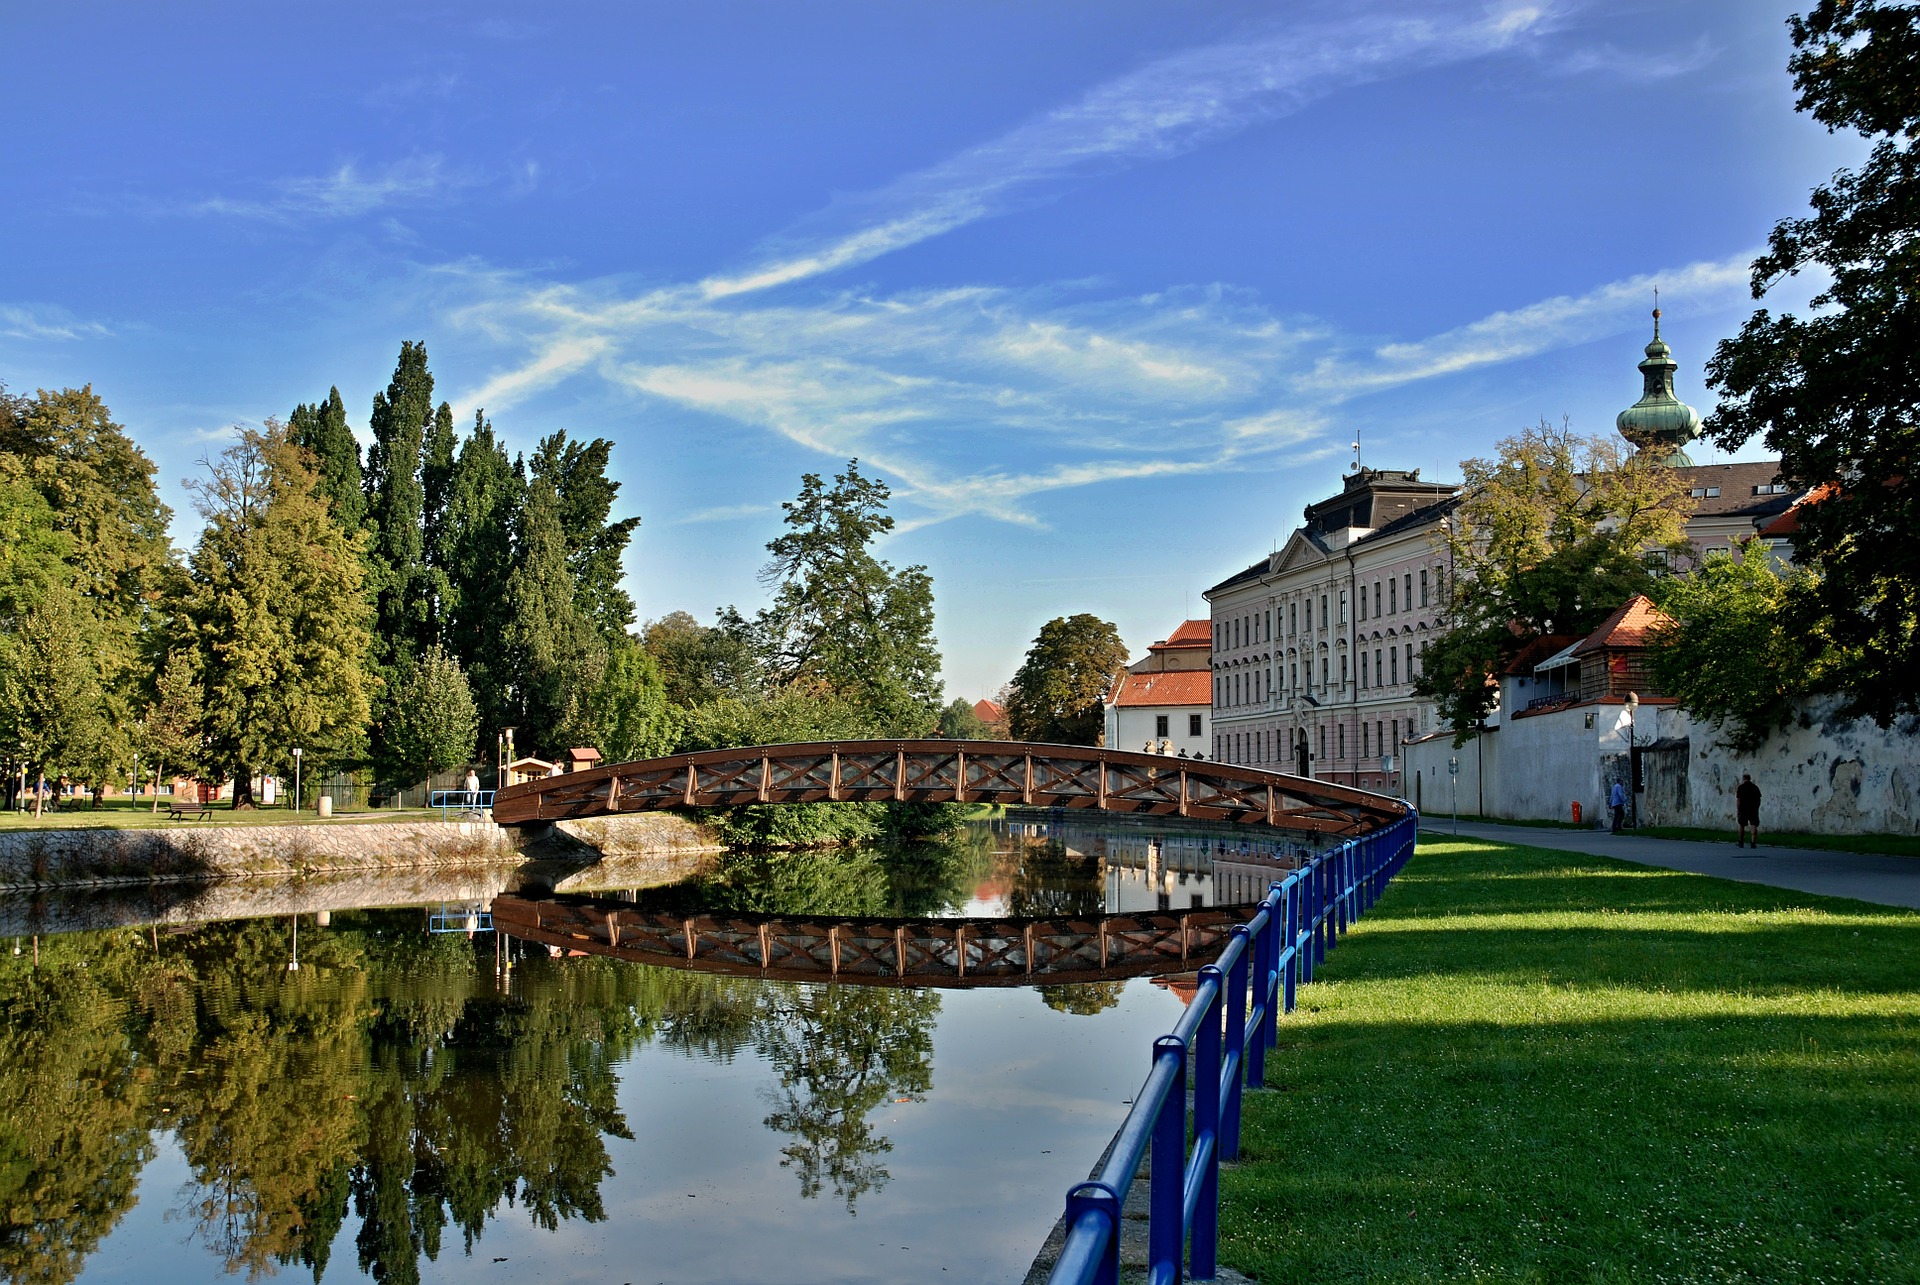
[179,1105]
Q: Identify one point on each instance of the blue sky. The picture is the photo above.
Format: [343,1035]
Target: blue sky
[1103,291]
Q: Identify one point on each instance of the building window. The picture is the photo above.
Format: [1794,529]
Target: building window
[1269,625]
[1323,671]
[1340,735]
[1343,606]
[1376,597]
[1705,493]
[1293,675]
[1323,741]
[1160,725]
[1376,666]
[1323,611]
[1343,670]
[1363,670]
[1423,587]
[1193,725]
[1406,593]
[1293,618]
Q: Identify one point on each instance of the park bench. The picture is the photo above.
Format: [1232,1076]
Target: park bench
[186,811]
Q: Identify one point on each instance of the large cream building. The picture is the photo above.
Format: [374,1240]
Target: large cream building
[1315,648]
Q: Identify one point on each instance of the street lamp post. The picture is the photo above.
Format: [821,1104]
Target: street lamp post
[296,777]
[1453,777]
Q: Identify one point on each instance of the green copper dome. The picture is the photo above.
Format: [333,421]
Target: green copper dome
[1660,422]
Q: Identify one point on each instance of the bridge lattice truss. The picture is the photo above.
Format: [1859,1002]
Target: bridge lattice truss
[1007,772]
[877,952]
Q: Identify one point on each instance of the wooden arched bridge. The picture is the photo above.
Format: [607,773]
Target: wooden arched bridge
[1011,772]
[879,952]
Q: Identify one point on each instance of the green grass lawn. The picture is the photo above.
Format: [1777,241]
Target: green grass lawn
[131,814]
[1527,1065]
[1897,845]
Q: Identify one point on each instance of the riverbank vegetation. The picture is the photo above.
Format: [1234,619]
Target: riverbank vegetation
[388,614]
[1528,1065]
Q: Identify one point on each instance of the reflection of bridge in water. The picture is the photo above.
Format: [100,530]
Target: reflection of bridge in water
[877,952]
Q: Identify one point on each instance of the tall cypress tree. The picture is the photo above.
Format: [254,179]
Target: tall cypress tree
[555,655]
[482,506]
[595,546]
[436,485]
[322,429]
[395,504]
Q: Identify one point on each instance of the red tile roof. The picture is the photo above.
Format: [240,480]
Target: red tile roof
[1185,687]
[1628,626]
[1788,523]
[1191,633]
[989,711]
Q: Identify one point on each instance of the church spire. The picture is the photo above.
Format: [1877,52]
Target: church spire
[1660,422]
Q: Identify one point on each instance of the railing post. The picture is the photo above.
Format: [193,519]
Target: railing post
[1206,1128]
[1097,1197]
[1290,971]
[1322,912]
[1236,1045]
[1262,997]
[1166,1221]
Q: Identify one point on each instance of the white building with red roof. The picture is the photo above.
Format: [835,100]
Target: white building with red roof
[1163,703]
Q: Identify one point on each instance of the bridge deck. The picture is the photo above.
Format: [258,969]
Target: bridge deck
[1004,772]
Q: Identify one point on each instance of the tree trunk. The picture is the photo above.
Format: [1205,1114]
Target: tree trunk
[39,792]
[242,790]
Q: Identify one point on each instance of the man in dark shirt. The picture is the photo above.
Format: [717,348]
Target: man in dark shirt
[1746,806]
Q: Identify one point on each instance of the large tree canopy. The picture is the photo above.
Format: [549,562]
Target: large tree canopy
[274,616]
[1837,393]
[843,620]
[1548,537]
[1059,693]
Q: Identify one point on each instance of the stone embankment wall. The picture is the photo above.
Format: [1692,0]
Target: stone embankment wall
[31,858]
[191,852]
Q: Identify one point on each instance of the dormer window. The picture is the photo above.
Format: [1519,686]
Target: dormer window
[1709,492]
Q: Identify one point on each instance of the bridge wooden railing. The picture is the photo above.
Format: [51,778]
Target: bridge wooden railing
[1011,772]
[879,952]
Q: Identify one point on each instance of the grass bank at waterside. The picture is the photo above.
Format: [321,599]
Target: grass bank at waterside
[1528,1065]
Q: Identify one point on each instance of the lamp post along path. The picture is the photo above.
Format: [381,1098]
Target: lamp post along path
[296,778]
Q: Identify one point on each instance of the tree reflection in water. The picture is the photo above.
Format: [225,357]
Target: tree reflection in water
[390,1081]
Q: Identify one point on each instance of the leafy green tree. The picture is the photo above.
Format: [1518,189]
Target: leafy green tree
[51,699]
[274,615]
[1059,693]
[322,429]
[701,663]
[98,487]
[1548,537]
[555,656]
[595,544]
[1737,653]
[431,722]
[482,507]
[170,730]
[1836,393]
[958,722]
[785,716]
[842,619]
[630,713]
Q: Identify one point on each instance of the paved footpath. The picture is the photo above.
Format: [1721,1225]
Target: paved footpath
[1890,881]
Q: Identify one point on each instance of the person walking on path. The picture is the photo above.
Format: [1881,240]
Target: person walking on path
[1746,808]
[1617,800]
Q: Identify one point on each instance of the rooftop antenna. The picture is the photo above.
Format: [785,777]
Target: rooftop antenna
[1656,312]
[1356,450]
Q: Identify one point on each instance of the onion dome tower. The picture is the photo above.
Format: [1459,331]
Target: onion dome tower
[1659,423]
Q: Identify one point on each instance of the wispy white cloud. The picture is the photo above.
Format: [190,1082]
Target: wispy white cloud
[1161,110]
[1536,328]
[347,192]
[979,399]
[724,513]
[1638,64]
[46,322]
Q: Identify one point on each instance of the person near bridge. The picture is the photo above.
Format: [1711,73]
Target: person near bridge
[1746,808]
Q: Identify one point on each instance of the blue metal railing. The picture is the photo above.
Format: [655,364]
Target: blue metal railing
[451,801]
[1270,955]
